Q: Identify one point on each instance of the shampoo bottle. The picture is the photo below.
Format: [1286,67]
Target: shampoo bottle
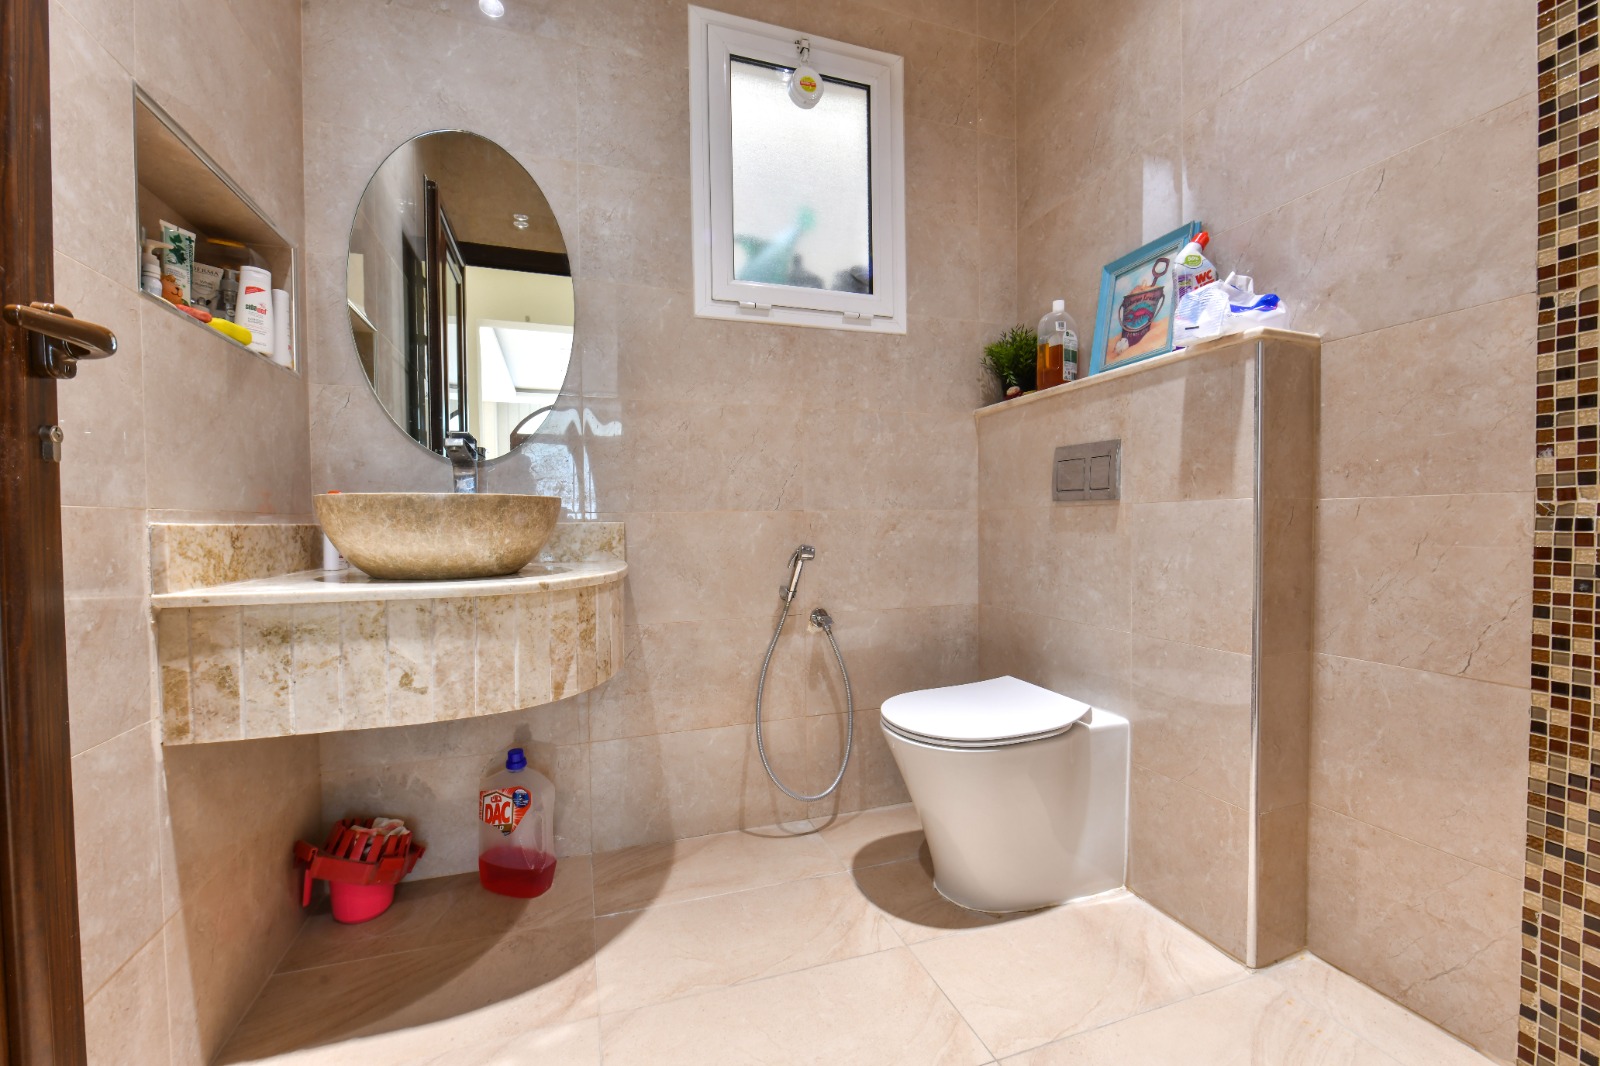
[254,310]
[516,832]
[1058,347]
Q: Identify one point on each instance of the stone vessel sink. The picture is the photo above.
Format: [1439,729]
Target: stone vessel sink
[437,536]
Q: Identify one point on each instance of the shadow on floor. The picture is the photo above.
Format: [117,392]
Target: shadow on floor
[905,890]
[446,949]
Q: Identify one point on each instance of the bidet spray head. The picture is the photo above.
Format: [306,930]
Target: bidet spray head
[797,561]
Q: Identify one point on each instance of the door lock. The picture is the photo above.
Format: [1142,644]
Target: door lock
[50,438]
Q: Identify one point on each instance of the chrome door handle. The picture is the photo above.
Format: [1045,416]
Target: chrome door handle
[58,340]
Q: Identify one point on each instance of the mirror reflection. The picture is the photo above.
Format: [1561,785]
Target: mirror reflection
[460,293]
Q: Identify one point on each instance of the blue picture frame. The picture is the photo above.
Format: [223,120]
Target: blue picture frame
[1133,320]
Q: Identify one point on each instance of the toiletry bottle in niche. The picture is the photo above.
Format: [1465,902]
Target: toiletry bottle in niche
[1058,347]
[516,831]
[254,310]
[150,273]
[228,294]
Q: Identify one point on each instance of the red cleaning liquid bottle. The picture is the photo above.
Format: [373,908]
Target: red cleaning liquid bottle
[516,834]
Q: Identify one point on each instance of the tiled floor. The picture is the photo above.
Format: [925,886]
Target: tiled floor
[796,945]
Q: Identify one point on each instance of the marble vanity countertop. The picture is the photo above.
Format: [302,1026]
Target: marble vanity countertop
[353,586]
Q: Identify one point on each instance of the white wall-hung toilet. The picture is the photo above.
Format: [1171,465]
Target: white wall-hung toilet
[1022,792]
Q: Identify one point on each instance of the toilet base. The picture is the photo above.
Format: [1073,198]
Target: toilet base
[1024,910]
[1023,826]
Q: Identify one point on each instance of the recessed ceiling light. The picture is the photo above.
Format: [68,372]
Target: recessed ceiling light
[493,8]
[520,221]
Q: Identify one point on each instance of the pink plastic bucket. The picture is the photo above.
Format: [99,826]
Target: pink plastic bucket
[359,903]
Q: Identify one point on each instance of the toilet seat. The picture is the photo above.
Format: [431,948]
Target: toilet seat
[984,714]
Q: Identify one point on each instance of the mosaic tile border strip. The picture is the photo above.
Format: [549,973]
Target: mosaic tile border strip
[1559,1022]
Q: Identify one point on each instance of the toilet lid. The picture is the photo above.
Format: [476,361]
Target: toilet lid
[1001,709]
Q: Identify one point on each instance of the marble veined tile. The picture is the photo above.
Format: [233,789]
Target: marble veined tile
[1257,1017]
[585,542]
[186,556]
[1075,968]
[650,874]
[674,950]
[876,1010]
[528,978]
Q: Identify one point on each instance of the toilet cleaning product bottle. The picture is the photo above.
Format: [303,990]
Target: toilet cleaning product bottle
[516,835]
[1058,347]
[1192,269]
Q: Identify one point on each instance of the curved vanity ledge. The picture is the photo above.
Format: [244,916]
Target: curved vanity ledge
[320,652]
[352,586]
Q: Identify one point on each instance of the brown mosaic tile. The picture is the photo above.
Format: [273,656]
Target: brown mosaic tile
[1560,976]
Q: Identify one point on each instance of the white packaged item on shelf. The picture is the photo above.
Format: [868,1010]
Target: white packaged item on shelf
[1225,307]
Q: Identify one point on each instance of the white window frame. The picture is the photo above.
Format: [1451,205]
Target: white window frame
[714,38]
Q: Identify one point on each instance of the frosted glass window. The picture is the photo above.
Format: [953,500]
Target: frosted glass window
[802,189]
[798,214]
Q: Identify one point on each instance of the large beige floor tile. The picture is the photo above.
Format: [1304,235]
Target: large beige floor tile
[878,1010]
[527,978]
[1256,1022]
[470,1040]
[1411,1039]
[707,866]
[417,908]
[441,910]
[873,837]
[680,949]
[1075,968]
[904,892]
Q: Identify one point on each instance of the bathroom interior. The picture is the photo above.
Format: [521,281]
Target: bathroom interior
[1223,703]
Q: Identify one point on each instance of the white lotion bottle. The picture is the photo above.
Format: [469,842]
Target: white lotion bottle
[282,349]
[254,309]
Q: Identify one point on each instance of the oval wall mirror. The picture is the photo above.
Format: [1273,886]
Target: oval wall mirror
[460,293]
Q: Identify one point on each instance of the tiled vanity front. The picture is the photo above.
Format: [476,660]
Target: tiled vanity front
[315,652]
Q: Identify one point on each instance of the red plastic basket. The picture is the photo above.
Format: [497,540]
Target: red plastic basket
[355,855]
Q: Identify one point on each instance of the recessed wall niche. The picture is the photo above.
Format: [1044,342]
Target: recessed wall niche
[179,184]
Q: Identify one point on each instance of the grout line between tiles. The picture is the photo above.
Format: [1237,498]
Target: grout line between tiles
[1312,804]
[959,1014]
[702,993]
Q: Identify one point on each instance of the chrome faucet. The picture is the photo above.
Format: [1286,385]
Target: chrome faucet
[464,454]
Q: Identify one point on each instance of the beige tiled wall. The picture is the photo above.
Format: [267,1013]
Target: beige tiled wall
[722,445]
[186,900]
[1331,163]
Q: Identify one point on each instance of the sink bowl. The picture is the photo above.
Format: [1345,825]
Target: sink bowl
[437,536]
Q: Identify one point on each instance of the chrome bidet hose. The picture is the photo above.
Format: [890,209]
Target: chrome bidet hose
[821,619]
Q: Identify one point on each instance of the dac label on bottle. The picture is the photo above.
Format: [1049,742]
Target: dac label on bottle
[503,808]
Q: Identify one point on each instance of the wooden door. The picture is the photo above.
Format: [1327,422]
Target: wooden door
[39,966]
